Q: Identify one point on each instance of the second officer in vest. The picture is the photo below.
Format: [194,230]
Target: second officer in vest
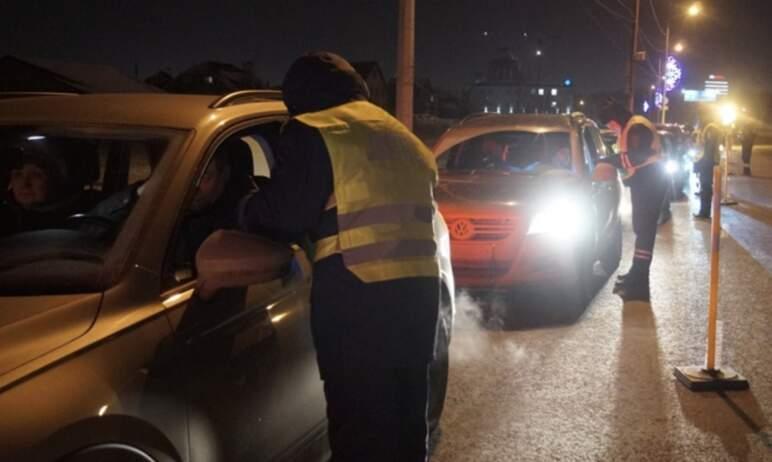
[359,185]
[640,159]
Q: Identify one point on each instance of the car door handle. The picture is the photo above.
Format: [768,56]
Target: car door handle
[178,298]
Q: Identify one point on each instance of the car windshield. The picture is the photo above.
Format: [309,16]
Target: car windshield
[516,151]
[67,193]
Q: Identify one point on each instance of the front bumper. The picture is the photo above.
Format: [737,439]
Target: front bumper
[520,260]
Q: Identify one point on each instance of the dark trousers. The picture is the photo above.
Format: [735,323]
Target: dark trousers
[374,343]
[747,149]
[706,189]
[648,190]
[647,204]
[377,414]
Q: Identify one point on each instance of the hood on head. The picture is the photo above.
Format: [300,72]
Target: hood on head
[321,80]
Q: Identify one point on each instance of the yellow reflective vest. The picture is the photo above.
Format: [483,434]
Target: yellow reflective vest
[383,182]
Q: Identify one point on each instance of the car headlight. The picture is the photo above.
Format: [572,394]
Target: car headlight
[561,218]
[671,166]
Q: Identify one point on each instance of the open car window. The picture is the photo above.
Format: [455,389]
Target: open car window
[514,152]
[67,193]
[231,170]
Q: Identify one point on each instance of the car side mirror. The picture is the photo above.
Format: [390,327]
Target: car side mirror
[236,259]
[604,173]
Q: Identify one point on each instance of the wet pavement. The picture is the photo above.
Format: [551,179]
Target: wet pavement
[598,385]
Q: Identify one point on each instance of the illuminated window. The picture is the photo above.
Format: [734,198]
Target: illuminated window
[554,92]
[541,92]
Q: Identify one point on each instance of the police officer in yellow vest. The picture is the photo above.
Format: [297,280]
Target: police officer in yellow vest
[710,137]
[641,161]
[359,185]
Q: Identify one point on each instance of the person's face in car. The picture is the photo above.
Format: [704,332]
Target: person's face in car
[211,186]
[29,185]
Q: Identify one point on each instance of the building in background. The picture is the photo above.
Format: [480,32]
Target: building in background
[505,89]
[376,83]
[23,74]
[215,78]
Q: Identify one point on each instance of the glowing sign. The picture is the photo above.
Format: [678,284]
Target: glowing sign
[699,96]
[672,73]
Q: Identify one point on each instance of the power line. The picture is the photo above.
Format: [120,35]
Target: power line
[612,12]
[650,42]
[656,18]
[627,8]
[613,40]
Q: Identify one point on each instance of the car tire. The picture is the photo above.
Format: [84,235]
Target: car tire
[438,381]
[612,252]
[116,452]
[577,284]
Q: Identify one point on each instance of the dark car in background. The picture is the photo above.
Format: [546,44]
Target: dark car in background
[107,352]
[675,150]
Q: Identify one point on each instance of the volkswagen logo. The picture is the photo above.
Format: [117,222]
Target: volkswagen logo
[461,230]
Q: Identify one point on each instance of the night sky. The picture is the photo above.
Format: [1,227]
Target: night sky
[580,38]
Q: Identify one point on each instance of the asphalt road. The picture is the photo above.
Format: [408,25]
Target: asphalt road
[598,385]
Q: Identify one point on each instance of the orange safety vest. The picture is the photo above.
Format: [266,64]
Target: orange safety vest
[656,145]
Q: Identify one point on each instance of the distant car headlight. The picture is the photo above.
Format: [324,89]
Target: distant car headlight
[561,217]
[671,167]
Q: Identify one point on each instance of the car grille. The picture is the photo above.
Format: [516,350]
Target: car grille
[482,229]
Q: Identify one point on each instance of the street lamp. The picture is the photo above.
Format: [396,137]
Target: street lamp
[727,113]
[538,52]
[694,10]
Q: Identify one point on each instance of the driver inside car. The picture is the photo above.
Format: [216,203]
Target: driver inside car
[217,195]
[39,193]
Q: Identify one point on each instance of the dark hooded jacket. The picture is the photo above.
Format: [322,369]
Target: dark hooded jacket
[392,320]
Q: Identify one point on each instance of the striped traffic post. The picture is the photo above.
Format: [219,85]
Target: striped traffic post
[710,376]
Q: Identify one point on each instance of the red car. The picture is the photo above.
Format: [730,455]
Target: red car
[522,207]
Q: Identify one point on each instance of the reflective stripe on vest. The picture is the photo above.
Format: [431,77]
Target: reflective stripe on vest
[383,191]
[656,146]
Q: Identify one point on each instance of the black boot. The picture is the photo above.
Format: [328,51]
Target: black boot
[621,276]
[635,288]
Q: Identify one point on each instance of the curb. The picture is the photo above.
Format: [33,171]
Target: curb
[758,208]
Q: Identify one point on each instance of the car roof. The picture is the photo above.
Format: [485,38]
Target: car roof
[555,122]
[138,109]
[479,124]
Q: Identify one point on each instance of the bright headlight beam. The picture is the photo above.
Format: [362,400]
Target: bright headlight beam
[671,167]
[560,217]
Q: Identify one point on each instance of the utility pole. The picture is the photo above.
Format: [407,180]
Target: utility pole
[663,110]
[405,62]
[633,57]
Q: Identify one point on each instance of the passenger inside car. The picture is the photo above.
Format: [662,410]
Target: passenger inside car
[40,193]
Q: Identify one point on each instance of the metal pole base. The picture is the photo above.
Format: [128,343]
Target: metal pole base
[697,378]
[728,202]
